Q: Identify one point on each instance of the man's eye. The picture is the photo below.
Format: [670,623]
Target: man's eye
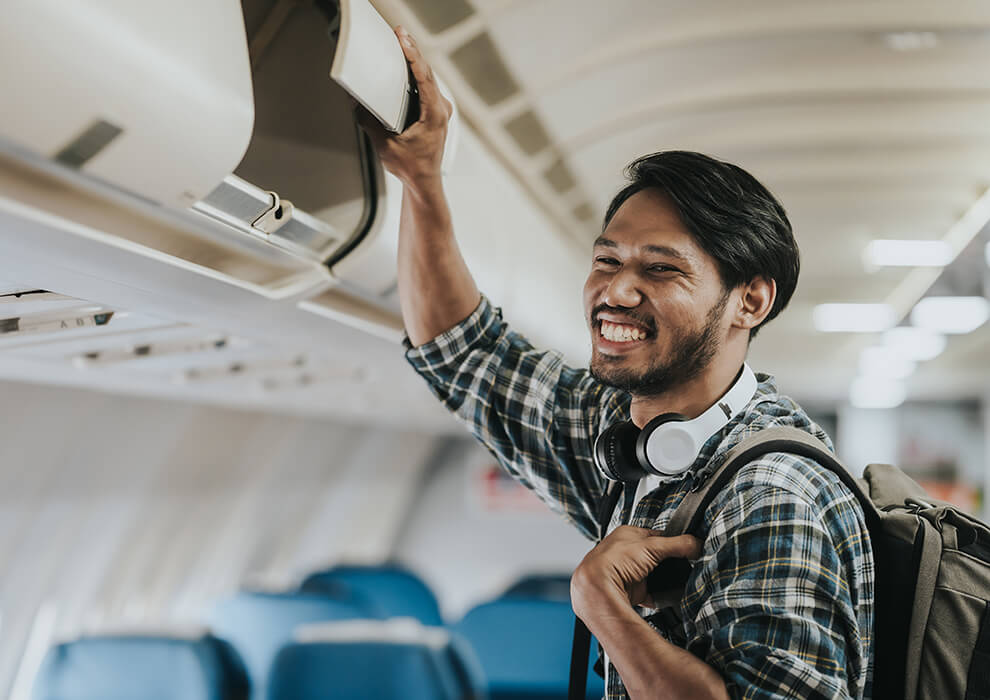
[662,268]
[602,260]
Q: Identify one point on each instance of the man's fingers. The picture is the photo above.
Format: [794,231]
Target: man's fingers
[680,547]
[429,94]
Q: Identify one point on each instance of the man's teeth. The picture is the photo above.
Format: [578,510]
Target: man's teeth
[619,333]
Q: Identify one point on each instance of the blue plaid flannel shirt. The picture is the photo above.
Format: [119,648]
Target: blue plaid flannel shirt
[781,600]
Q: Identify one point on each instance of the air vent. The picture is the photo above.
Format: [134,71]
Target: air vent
[481,65]
[560,177]
[90,142]
[528,131]
[438,15]
[155,349]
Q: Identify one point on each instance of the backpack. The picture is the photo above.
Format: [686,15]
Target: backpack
[932,564]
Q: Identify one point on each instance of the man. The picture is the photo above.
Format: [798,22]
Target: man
[694,258]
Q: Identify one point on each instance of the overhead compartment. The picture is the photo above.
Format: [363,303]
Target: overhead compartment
[217,125]
[152,97]
[308,179]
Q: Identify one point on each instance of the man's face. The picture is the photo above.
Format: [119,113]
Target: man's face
[654,300]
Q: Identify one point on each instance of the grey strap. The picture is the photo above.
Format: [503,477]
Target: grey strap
[689,514]
[924,591]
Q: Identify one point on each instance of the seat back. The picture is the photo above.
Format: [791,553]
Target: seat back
[146,665]
[396,659]
[541,586]
[524,647]
[258,625]
[395,591]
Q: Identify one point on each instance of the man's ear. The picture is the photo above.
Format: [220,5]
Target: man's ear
[755,302]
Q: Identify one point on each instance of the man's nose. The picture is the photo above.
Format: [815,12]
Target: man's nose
[623,291]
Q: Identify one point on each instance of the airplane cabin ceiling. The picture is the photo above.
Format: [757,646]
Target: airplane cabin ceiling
[867,119]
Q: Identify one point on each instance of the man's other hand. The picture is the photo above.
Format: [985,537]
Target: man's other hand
[415,155]
[615,571]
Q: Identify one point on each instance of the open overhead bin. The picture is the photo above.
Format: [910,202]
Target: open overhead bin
[217,133]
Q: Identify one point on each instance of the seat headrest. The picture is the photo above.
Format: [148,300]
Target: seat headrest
[398,630]
[395,591]
[127,664]
[385,659]
[259,624]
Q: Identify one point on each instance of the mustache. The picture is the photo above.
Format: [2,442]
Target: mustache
[638,318]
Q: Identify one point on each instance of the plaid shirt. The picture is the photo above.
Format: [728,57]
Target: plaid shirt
[781,600]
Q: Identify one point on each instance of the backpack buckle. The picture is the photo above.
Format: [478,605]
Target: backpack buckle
[917,504]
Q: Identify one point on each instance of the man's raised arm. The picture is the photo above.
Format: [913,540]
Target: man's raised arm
[436,290]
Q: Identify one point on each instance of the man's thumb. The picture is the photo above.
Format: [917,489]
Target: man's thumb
[680,547]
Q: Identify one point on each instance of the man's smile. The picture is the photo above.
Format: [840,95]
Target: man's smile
[620,333]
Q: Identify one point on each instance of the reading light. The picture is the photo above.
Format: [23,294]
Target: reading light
[876,392]
[882,361]
[910,41]
[897,253]
[854,318]
[918,344]
[951,314]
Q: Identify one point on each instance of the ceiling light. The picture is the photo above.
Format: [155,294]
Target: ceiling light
[881,361]
[910,41]
[854,318]
[971,223]
[918,344]
[876,392]
[951,314]
[885,252]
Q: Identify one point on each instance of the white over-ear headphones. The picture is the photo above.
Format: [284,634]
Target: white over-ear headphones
[670,443]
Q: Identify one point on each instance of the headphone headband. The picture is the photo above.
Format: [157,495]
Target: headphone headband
[669,444]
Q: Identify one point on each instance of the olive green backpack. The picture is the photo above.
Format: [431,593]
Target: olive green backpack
[932,563]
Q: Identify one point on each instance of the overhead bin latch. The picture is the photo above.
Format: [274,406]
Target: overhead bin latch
[276,216]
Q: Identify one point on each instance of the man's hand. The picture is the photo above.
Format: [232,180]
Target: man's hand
[607,584]
[414,156]
[614,572]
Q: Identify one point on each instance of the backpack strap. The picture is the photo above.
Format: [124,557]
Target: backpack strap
[581,644]
[666,583]
[691,511]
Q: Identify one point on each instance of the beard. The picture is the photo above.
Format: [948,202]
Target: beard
[691,352]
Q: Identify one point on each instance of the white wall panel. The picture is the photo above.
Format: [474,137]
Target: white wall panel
[122,510]
[469,553]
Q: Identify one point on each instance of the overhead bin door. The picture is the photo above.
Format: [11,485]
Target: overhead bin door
[153,97]
[306,148]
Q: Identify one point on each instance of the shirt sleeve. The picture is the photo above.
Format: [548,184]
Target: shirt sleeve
[537,416]
[773,601]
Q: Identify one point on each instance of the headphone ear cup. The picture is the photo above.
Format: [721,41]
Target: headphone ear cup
[615,452]
[649,431]
[666,441]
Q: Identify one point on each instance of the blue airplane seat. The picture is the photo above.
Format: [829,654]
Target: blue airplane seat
[148,666]
[258,624]
[397,592]
[395,659]
[524,645]
[467,666]
[542,586]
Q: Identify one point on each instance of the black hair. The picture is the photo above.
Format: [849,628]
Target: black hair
[729,213]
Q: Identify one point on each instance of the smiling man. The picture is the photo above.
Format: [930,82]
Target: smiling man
[694,257]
